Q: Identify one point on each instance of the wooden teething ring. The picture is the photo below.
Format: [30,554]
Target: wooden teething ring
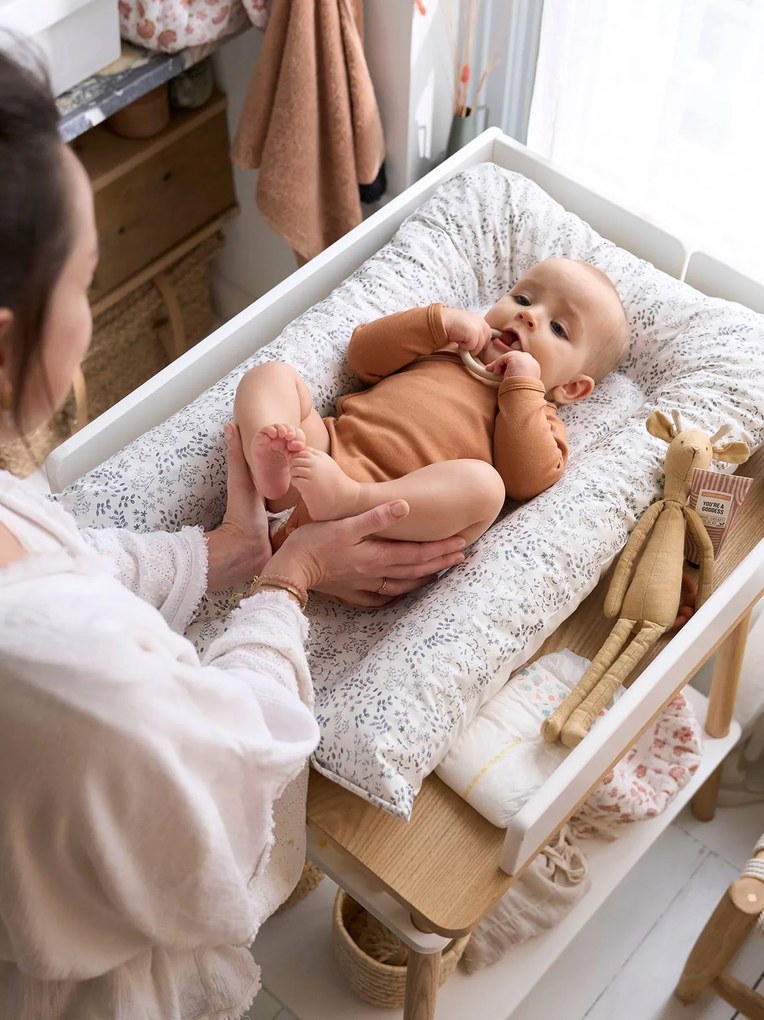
[476,368]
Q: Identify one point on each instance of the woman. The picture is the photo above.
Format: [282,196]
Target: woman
[137,783]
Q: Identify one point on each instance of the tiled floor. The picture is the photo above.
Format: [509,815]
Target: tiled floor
[626,960]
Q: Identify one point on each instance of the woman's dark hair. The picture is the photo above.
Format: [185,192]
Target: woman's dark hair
[35,217]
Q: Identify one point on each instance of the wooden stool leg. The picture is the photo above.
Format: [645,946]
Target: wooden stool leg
[422,972]
[747,1002]
[721,938]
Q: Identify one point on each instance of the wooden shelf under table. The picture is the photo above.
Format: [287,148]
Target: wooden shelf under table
[443,865]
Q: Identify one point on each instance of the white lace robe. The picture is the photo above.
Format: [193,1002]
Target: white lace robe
[138,783]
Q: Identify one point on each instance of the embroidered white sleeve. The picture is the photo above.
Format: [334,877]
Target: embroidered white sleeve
[266,634]
[167,570]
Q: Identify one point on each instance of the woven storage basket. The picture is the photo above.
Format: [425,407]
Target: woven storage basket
[381,984]
[132,340]
[306,883]
[23,456]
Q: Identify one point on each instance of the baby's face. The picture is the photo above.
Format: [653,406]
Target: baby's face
[559,312]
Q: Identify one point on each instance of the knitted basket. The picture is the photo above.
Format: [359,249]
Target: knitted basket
[133,340]
[306,883]
[382,984]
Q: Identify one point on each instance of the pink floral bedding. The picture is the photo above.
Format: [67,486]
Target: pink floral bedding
[172,25]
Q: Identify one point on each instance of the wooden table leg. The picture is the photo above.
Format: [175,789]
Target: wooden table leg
[703,804]
[721,702]
[422,972]
[726,677]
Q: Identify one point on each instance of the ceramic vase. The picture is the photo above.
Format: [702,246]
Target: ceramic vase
[464,129]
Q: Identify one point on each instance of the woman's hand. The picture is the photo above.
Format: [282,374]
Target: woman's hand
[343,558]
[237,549]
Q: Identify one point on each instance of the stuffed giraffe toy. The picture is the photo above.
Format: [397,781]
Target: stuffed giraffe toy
[646,588]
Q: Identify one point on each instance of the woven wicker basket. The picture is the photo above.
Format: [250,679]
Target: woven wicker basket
[139,336]
[306,883]
[132,340]
[381,984]
[23,456]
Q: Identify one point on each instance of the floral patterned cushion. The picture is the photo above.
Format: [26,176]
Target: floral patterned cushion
[395,687]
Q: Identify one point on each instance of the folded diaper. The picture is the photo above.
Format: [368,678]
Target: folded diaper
[501,759]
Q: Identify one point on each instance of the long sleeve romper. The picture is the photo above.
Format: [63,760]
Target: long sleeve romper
[423,406]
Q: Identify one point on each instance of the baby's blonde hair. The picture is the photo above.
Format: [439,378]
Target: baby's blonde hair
[609,354]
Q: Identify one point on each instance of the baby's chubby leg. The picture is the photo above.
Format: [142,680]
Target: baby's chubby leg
[449,498]
[274,411]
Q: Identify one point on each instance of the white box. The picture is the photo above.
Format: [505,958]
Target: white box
[76,37]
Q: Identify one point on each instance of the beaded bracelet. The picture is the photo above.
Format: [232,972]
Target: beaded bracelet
[284,583]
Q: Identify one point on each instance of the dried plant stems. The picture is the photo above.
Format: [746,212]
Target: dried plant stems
[465,70]
[463,106]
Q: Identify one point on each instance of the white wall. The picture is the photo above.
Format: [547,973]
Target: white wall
[410,64]
[255,257]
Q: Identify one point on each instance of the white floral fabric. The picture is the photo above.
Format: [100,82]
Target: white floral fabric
[645,781]
[395,687]
[173,25]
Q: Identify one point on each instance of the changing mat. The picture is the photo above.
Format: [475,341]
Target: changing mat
[396,686]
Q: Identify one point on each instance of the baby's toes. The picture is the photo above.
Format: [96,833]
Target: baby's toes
[296,442]
[299,464]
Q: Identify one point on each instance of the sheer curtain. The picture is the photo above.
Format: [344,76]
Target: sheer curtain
[658,104]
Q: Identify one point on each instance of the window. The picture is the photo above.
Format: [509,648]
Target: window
[657,104]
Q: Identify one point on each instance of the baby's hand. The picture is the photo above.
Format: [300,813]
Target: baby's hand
[467,329]
[516,363]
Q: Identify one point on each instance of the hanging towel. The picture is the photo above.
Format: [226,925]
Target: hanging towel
[310,122]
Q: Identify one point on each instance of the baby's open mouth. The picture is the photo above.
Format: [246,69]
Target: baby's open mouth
[509,339]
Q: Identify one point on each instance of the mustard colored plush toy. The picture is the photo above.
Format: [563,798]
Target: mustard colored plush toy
[646,588]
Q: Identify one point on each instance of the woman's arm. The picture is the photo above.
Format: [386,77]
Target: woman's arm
[144,778]
[172,571]
[169,571]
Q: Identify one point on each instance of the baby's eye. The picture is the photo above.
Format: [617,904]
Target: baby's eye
[559,330]
[521,299]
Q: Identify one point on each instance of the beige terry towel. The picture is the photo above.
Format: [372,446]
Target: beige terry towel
[310,122]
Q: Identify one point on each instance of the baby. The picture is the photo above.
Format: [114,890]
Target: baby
[451,443]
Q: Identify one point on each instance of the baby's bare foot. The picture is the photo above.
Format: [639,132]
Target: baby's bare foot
[328,492]
[272,449]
